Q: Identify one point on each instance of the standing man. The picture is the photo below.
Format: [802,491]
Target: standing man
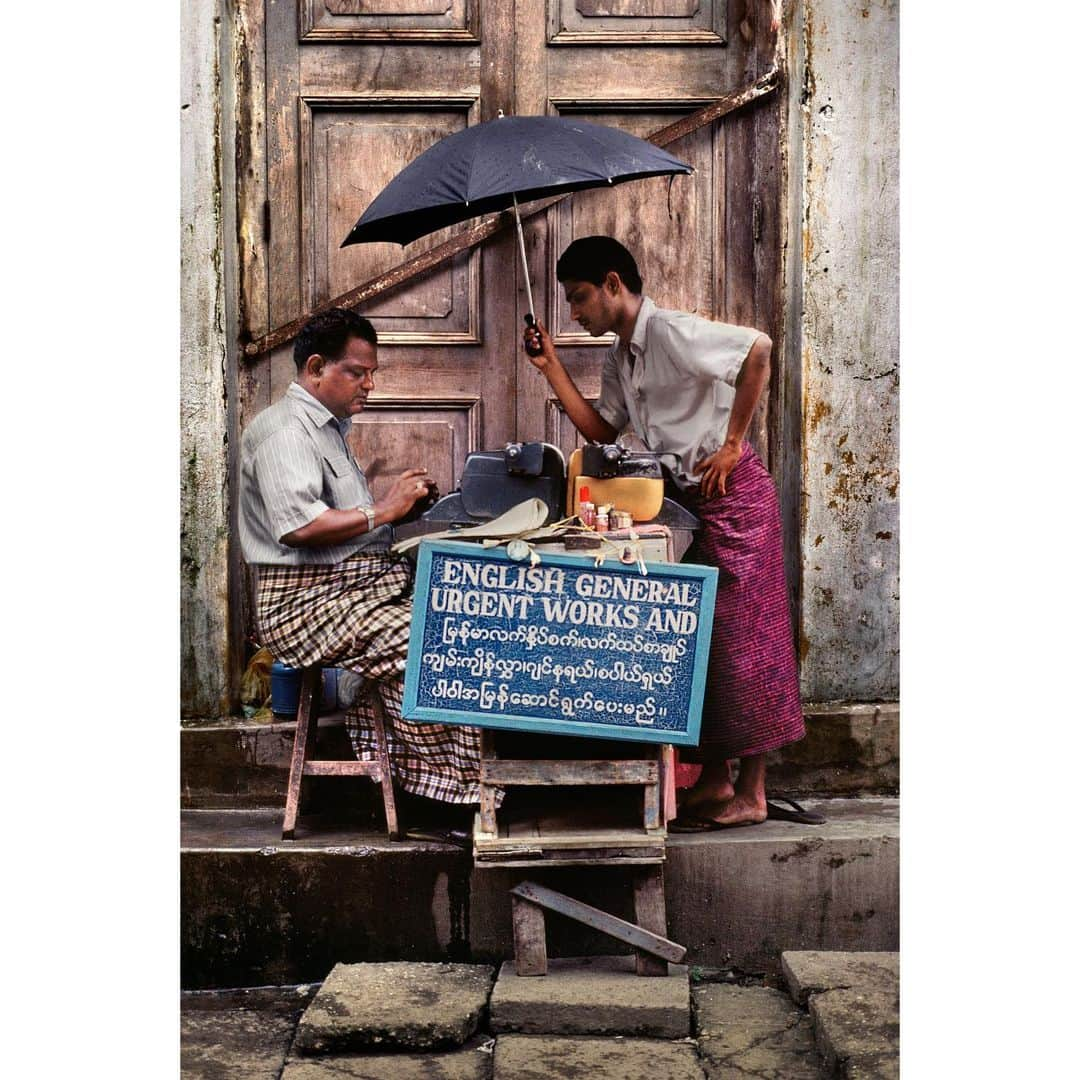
[689,388]
[329,591]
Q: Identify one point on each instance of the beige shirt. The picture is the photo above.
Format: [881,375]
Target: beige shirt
[678,392]
[295,464]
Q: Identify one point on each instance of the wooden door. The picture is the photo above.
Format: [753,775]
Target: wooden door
[337,95]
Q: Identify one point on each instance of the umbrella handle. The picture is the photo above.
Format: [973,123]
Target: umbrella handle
[533,348]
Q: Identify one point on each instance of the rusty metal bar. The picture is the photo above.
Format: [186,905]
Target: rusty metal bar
[619,929]
[421,264]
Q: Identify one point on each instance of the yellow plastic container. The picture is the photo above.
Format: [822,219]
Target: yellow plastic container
[641,495]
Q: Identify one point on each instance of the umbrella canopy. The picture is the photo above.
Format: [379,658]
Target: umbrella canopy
[491,166]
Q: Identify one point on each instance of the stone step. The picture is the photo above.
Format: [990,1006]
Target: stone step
[257,910]
[592,995]
[395,1006]
[236,764]
[854,1005]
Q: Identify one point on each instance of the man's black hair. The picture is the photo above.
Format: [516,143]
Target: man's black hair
[591,257]
[328,333]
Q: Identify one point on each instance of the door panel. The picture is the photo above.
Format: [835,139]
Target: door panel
[384,135]
[597,22]
[388,20]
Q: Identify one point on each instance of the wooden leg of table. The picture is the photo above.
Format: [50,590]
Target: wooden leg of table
[487,793]
[530,942]
[305,719]
[386,778]
[650,913]
[668,808]
[652,806]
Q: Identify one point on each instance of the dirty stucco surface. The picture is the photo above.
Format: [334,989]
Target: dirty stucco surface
[850,352]
[203,417]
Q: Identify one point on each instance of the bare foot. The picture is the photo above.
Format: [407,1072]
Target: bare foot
[740,810]
[707,800]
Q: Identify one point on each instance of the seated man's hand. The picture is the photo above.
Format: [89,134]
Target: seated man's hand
[410,488]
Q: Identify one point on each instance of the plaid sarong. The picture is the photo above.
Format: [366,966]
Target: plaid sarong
[356,615]
[752,701]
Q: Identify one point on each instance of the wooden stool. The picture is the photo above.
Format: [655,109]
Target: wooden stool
[307,725]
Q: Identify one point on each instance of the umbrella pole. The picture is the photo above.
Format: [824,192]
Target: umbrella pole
[524,262]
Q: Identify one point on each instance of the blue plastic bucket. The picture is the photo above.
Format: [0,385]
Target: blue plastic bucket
[285,689]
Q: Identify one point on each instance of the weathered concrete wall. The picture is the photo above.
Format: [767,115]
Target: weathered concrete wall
[203,359]
[848,139]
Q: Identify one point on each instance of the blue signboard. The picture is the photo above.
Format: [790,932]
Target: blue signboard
[565,646]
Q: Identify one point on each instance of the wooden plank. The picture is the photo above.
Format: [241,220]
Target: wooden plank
[539,861]
[533,773]
[627,855]
[523,830]
[598,839]
[650,913]
[530,939]
[620,929]
[342,768]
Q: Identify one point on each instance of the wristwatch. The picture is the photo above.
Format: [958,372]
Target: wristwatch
[369,513]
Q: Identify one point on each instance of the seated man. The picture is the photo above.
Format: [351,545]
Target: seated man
[329,591]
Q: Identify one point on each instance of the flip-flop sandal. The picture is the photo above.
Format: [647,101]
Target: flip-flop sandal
[687,824]
[797,813]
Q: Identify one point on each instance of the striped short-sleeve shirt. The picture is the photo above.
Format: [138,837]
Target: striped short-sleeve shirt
[295,464]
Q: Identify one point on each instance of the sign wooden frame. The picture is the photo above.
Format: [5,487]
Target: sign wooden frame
[438,645]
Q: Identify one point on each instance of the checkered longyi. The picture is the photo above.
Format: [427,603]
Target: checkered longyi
[356,615]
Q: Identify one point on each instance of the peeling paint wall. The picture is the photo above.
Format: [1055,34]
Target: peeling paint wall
[850,349]
[203,358]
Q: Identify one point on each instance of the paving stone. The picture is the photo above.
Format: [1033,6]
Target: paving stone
[753,1031]
[471,1062]
[854,1000]
[394,1006]
[234,1043]
[594,995]
[858,1032]
[811,971]
[551,1057]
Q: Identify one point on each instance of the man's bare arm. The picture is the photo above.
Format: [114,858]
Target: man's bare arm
[752,379]
[582,415]
[338,526]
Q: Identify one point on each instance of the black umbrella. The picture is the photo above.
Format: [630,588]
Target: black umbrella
[492,166]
